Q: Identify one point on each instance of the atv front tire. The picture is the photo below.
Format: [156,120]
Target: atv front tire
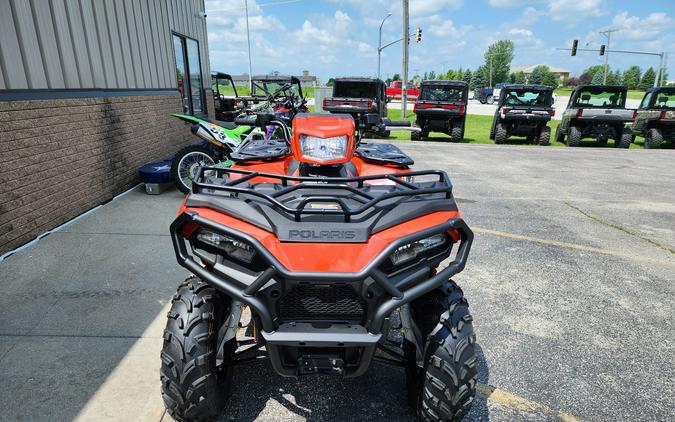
[185,164]
[194,387]
[500,133]
[574,137]
[653,138]
[545,136]
[447,383]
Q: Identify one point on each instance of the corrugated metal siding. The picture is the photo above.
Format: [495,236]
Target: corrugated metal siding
[68,44]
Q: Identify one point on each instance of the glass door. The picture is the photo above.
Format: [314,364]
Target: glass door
[189,74]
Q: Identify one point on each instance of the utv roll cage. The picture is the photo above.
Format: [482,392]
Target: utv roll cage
[461,85]
[218,76]
[596,89]
[261,82]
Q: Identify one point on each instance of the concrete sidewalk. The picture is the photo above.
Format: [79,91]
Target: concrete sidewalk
[570,284]
[83,313]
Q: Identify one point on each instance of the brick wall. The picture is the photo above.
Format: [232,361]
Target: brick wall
[59,158]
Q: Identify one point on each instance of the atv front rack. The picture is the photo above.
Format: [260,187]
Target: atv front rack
[401,289]
[203,184]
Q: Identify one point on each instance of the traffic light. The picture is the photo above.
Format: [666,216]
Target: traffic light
[602,50]
[574,47]
[418,35]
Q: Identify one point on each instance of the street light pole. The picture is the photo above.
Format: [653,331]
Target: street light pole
[379,46]
[248,40]
[608,34]
[406,40]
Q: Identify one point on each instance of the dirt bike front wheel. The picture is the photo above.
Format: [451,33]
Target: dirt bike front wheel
[185,164]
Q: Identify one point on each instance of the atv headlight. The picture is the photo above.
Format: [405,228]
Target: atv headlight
[323,149]
[234,248]
[412,250]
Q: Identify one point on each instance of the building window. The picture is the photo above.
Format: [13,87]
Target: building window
[189,74]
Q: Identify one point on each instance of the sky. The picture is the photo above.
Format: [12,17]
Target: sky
[335,38]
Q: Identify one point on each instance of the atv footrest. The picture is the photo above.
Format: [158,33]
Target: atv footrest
[321,334]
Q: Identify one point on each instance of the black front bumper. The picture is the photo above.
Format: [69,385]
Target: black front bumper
[394,291]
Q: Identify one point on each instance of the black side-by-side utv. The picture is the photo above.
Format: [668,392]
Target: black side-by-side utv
[523,110]
[655,119]
[441,107]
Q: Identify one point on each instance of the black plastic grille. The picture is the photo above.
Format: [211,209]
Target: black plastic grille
[322,302]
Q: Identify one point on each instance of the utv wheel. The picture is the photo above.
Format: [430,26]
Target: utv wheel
[446,385]
[545,136]
[574,137]
[490,99]
[457,134]
[653,138]
[386,134]
[625,140]
[559,135]
[194,386]
[415,135]
[185,164]
[500,133]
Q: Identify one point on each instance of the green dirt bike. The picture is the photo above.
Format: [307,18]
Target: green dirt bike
[218,142]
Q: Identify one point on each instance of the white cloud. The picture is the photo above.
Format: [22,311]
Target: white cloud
[520,32]
[421,8]
[636,28]
[504,4]
[574,10]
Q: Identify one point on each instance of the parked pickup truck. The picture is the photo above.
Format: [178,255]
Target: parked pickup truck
[395,91]
[487,94]
[596,111]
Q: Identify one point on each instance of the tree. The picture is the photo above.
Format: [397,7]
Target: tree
[519,77]
[647,80]
[396,77]
[478,78]
[594,69]
[616,78]
[585,78]
[467,76]
[542,75]
[631,77]
[432,75]
[331,81]
[597,77]
[499,54]
[425,76]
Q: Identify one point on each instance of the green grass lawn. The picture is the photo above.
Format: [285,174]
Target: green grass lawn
[477,131]
[632,95]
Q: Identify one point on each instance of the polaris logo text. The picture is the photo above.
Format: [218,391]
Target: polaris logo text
[322,234]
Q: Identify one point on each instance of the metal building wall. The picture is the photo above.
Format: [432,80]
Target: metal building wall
[105,44]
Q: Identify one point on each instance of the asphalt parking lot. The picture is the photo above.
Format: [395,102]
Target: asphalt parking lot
[570,281]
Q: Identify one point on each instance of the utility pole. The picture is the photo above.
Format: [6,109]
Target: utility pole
[248,40]
[379,46]
[406,40]
[608,34]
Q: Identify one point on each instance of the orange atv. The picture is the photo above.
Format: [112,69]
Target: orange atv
[339,252]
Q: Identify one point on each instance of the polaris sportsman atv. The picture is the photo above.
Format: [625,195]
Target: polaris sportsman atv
[441,106]
[523,110]
[330,244]
[655,119]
